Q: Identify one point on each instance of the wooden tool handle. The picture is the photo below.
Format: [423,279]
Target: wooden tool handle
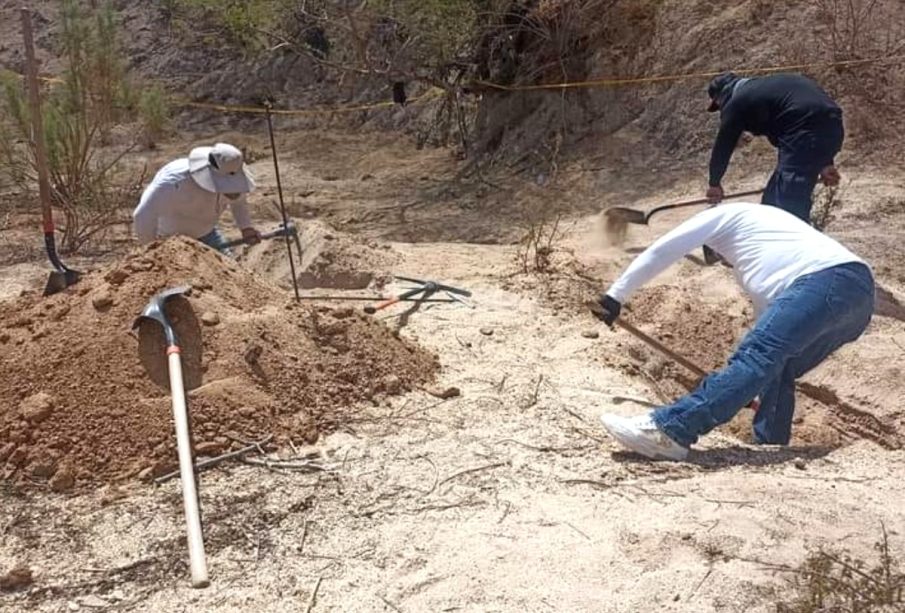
[661,347]
[197,559]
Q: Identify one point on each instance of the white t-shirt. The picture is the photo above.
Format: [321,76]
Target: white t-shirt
[767,247]
[174,204]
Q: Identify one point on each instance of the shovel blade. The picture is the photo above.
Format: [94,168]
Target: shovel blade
[57,281]
[627,215]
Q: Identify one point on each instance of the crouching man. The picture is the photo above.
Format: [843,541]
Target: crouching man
[188,195]
[811,296]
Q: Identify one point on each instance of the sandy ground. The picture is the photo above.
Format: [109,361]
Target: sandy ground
[508,497]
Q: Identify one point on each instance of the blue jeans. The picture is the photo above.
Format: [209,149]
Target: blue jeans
[801,158]
[807,322]
[215,239]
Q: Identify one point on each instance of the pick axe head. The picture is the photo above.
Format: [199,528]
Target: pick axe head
[155,312]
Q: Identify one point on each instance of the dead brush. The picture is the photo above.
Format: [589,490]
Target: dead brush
[829,581]
[827,202]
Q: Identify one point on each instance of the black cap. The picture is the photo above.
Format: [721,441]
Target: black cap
[717,89]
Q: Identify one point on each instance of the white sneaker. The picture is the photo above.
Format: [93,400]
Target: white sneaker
[641,435]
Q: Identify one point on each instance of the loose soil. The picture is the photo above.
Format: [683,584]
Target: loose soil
[77,400]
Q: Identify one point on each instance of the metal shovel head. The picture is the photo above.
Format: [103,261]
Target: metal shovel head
[58,280]
[169,318]
[626,215]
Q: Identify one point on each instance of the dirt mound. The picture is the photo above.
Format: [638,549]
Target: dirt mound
[77,404]
[330,259]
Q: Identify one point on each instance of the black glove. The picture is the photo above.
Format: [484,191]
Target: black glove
[608,311]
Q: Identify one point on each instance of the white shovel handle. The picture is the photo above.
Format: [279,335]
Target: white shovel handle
[197,560]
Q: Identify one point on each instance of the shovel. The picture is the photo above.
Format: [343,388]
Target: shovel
[61,277]
[154,311]
[626,215]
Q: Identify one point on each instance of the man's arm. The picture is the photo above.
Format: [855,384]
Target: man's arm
[667,250]
[147,213]
[730,131]
[239,208]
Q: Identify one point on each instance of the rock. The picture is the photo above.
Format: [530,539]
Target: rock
[18,456]
[94,602]
[43,469]
[391,384]
[591,334]
[102,301]
[248,412]
[487,331]
[22,322]
[36,408]
[60,313]
[6,451]
[444,393]
[4,337]
[146,474]
[16,579]
[800,464]
[116,276]
[209,448]
[210,318]
[343,313]
[63,480]
[72,606]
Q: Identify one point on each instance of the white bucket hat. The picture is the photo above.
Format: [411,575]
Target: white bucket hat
[220,169]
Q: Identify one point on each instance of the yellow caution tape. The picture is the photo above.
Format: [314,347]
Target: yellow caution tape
[615,82]
[230,108]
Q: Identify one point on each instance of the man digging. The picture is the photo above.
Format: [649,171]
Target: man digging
[188,195]
[811,296]
[796,116]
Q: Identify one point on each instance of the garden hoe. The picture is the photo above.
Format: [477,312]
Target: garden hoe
[62,276]
[154,311]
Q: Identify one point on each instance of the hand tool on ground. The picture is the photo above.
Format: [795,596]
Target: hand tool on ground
[625,215]
[597,310]
[154,311]
[276,170]
[62,276]
[427,288]
[280,232]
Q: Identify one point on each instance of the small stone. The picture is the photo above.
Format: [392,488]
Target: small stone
[18,456]
[60,313]
[487,331]
[248,412]
[4,337]
[343,313]
[43,470]
[116,276]
[146,474]
[591,334]
[800,464]
[209,448]
[36,408]
[63,480]
[72,606]
[6,451]
[444,393]
[94,602]
[22,322]
[391,384]
[16,579]
[102,301]
[210,318]
[117,595]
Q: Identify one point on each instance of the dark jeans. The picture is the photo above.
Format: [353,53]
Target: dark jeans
[215,239]
[812,318]
[801,158]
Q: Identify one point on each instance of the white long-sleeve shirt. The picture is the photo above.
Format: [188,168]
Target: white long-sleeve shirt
[174,204]
[767,247]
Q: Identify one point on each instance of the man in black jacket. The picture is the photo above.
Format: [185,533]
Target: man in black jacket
[796,116]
